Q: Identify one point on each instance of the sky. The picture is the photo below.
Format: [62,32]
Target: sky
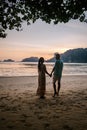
[42,39]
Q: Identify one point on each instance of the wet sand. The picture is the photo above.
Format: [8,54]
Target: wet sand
[21,109]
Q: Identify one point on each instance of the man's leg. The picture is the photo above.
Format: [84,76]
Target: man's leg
[54,86]
[59,85]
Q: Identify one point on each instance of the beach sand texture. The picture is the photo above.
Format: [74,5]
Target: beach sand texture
[21,109]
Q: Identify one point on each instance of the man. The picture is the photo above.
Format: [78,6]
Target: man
[57,69]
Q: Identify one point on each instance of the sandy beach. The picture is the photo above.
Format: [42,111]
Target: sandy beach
[21,109]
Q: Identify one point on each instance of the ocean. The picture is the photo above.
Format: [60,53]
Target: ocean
[8,69]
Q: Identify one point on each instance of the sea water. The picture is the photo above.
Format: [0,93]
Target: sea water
[8,69]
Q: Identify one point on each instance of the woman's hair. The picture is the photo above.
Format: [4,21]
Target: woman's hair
[40,61]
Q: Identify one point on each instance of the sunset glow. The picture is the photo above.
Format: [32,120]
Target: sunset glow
[41,39]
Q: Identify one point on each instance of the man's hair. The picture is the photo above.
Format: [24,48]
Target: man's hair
[57,55]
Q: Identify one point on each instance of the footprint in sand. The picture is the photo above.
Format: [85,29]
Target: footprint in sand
[23,120]
[66,127]
[3,119]
[46,125]
[10,126]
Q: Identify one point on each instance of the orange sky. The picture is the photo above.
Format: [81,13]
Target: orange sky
[19,54]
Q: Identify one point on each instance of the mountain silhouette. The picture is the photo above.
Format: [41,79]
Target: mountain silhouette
[30,59]
[78,55]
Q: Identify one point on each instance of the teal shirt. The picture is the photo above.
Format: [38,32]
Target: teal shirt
[58,68]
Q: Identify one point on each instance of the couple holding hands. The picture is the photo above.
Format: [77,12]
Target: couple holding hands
[57,74]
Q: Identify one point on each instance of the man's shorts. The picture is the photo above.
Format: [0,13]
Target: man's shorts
[56,78]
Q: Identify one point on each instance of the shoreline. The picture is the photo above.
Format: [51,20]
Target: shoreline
[65,75]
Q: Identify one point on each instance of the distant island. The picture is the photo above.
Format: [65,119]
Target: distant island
[8,60]
[30,59]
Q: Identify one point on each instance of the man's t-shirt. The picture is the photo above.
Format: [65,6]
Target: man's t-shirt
[58,68]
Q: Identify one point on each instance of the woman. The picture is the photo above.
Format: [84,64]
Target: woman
[41,78]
